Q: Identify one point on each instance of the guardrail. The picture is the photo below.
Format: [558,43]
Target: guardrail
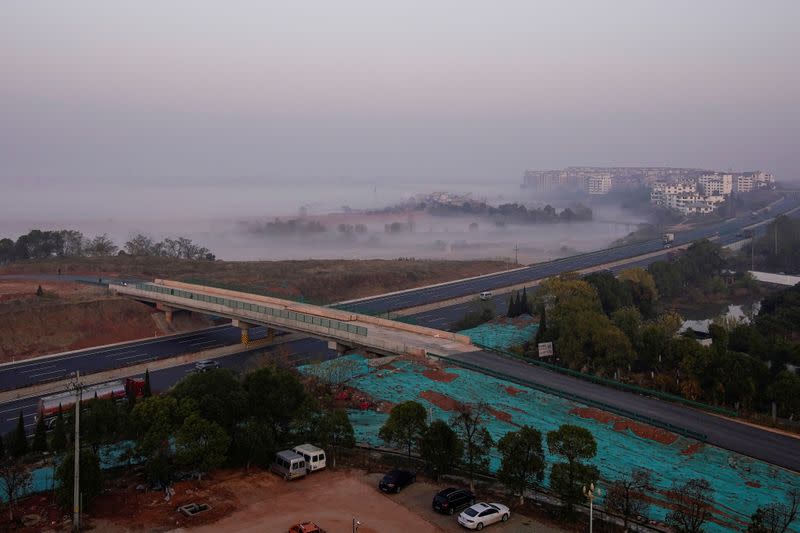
[577,397]
[612,383]
[255,308]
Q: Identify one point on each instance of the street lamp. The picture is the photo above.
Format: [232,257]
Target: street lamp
[356,523]
[77,386]
[591,493]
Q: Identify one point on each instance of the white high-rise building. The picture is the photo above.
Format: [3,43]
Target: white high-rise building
[716,184]
[599,184]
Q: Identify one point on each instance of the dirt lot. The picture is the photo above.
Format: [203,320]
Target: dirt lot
[261,501]
[70,316]
[317,281]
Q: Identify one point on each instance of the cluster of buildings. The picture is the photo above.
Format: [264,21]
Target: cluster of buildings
[692,191]
[601,180]
[702,195]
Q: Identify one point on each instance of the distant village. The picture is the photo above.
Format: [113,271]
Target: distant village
[689,191]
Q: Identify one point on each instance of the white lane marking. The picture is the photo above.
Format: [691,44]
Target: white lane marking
[135,350]
[202,342]
[140,354]
[58,371]
[18,408]
[37,369]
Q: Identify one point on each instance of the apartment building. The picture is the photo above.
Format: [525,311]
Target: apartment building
[716,184]
[598,184]
[745,183]
[663,190]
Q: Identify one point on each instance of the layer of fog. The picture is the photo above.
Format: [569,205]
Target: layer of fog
[217,217]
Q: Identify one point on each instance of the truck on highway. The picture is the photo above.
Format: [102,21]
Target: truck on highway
[112,390]
[669,238]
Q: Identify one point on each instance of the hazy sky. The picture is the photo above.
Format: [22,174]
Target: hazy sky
[200,91]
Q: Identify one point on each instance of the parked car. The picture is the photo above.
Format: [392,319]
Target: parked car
[289,465]
[395,480]
[206,365]
[451,499]
[306,527]
[315,457]
[483,514]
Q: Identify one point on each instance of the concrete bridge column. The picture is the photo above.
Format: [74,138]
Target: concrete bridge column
[270,335]
[167,310]
[245,327]
[339,347]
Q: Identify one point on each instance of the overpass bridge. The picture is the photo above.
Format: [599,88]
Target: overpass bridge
[344,330]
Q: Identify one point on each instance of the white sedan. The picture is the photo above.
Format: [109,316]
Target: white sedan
[482,514]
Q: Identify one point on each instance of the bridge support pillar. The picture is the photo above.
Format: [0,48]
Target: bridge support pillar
[245,328]
[167,310]
[270,335]
[339,347]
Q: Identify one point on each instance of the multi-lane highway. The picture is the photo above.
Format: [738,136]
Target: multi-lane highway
[762,444]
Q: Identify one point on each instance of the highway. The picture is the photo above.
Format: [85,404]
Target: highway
[726,232]
[758,443]
[775,448]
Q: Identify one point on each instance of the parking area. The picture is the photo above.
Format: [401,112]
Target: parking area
[417,498]
[332,499]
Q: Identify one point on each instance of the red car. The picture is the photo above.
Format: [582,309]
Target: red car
[306,527]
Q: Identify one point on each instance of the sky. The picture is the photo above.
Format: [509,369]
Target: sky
[198,92]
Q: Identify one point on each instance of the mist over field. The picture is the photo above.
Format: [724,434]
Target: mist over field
[222,218]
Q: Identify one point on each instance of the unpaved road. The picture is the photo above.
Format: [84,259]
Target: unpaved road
[332,499]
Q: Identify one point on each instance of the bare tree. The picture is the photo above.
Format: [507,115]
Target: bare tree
[625,495]
[16,480]
[692,502]
[101,245]
[469,424]
[776,517]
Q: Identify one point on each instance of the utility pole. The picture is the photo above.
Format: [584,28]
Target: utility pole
[590,492]
[76,487]
[516,254]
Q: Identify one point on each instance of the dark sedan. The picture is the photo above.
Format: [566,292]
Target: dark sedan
[396,480]
[449,500]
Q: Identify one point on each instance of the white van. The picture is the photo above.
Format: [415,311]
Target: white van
[486,295]
[315,457]
[289,465]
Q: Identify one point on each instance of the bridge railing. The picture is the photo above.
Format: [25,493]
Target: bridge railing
[284,314]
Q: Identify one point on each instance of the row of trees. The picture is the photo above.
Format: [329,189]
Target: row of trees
[465,442]
[38,244]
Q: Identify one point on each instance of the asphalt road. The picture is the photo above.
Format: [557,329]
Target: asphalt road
[301,351]
[726,231]
[757,443]
[768,446]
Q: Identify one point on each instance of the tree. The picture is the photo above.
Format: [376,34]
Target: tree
[153,421]
[274,395]
[512,307]
[147,392]
[776,517]
[405,426]
[101,423]
[253,443]
[91,478]
[200,444]
[642,288]
[216,394]
[101,246]
[16,481]
[611,292]
[692,505]
[59,442]
[19,443]
[574,444]
[40,436]
[469,424]
[2,448]
[626,495]
[785,392]
[335,431]
[522,460]
[440,447]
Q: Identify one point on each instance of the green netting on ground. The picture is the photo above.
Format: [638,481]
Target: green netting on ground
[42,479]
[500,336]
[741,484]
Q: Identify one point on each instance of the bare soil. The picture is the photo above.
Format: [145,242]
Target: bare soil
[316,281]
[260,501]
[71,316]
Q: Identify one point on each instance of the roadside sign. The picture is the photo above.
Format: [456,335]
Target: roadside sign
[545,349]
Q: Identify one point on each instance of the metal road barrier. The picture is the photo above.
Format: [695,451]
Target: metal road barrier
[247,306]
[614,384]
[577,398]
